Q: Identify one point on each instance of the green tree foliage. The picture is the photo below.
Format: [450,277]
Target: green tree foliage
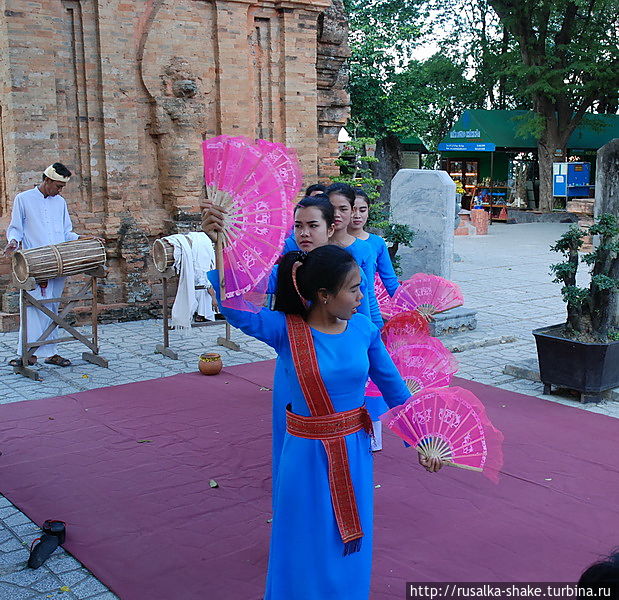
[559,58]
[382,36]
[390,92]
[427,97]
[566,60]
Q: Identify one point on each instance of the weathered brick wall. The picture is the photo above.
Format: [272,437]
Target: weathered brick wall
[124,91]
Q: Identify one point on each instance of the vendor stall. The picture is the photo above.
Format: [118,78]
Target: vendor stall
[488,153]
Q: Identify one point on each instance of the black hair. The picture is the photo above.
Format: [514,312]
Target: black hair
[321,202]
[325,267]
[344,189]
[360,193]
[315,187]
[60,169]
[602,572]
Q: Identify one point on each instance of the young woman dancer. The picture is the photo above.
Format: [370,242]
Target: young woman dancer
[319,201]
[342,197]
[321,540]
[383,265]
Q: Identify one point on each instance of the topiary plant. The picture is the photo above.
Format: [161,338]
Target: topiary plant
[592,311]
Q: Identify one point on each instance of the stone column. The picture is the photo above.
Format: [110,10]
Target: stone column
[607,196]
[333,98]
[424,200]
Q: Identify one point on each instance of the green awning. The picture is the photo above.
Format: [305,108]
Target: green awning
[501,127]
[413,143]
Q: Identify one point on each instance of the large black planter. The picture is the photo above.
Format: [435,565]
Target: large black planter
[588,368]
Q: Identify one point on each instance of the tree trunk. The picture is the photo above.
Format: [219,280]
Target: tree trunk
[607,201]
[550,149]
[389,154]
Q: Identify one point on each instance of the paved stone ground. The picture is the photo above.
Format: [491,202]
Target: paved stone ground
[504,275]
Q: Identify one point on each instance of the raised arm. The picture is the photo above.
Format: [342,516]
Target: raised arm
[384,373]
[268,326]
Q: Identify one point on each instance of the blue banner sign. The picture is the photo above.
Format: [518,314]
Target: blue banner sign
[466,147]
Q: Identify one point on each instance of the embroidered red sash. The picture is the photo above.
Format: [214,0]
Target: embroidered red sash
[320,405]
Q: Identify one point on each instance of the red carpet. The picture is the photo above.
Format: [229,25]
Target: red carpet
[128,468]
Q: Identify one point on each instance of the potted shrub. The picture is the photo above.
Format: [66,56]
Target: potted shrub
[583,353]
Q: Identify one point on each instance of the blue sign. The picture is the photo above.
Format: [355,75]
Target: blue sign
[466,147]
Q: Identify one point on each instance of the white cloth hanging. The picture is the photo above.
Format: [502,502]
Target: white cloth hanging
[203,262]
[185,303]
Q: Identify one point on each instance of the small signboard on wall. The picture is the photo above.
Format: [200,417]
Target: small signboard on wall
[466,147]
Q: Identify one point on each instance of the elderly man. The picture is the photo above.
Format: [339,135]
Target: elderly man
[40,218]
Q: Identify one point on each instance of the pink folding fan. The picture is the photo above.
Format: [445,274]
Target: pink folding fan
[242,177]
[404,328]
[383,298]
[425,363]
[449,424]
[429,294]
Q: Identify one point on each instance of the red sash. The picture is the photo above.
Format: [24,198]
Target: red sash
[317,398]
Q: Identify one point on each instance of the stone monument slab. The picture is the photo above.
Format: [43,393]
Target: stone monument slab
[425,200]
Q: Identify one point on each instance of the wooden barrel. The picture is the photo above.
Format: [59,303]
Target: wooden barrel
[58,260]
[163,254]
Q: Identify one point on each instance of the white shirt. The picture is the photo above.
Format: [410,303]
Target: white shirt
[38,221]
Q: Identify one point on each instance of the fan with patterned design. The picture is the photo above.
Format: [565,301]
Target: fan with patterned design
[423,363]
[449,424]
[404,328]
[429,294]
[241,178]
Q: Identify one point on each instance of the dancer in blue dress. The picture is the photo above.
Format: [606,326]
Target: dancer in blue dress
[339,196]
[316,189]
[382,261]
[382,264]
[312,555]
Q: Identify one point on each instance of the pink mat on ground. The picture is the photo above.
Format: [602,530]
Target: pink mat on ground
[128,468]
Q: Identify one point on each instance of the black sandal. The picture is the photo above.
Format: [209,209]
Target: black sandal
[16,362]
[53,536]
[58,361]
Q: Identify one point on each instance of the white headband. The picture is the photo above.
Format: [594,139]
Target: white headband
[51,173]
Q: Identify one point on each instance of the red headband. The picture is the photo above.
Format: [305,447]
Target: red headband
[295,266]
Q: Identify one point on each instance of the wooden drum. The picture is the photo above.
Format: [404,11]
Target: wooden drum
[58,260]
[163,254]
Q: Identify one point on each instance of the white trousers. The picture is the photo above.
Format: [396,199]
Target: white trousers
[38,322]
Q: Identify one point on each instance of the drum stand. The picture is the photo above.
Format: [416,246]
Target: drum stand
[165,347]
[58,321]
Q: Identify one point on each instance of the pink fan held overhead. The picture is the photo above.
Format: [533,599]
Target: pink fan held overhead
[429,294]
[449,424]
[286,162]
[241,177]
